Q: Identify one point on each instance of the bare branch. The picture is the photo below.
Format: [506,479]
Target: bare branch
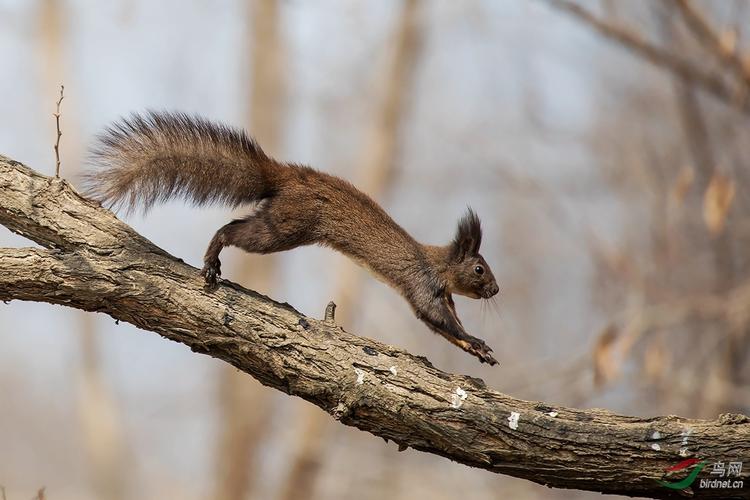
[95,262]
[59,134]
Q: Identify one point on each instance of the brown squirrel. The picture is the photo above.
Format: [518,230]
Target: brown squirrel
[151,158]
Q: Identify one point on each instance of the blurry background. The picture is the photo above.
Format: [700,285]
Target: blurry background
[605,149]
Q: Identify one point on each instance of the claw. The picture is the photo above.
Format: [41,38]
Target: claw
[211,273]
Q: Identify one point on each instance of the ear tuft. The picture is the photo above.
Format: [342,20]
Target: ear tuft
[468,237]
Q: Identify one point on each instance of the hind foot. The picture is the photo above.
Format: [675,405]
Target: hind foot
[211,272]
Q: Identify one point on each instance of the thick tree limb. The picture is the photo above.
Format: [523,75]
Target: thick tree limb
[95,262]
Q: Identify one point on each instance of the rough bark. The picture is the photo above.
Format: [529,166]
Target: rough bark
[93,261]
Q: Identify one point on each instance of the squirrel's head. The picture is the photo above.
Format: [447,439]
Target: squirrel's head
[468,272]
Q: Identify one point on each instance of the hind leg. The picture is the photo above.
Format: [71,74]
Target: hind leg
[211,263]
[257,233]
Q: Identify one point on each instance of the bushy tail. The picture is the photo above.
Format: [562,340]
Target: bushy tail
[151,158]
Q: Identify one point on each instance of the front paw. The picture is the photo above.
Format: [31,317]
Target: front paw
[211,273]
[481,350]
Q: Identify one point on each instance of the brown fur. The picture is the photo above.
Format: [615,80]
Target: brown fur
[147,159]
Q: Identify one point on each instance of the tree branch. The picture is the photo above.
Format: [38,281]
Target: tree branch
[95,262]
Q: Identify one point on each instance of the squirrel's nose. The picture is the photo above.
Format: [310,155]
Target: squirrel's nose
[492,290]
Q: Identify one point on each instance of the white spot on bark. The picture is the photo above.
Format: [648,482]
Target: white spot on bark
[457,398]
[553,414]
[656,435]
[655,447]
[393,370]
[513,420]
[685,434]
[360,376]
[683,445]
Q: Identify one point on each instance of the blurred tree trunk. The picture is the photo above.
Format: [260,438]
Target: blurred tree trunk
[99,416]
[100,419]
[245,405]
[377,168]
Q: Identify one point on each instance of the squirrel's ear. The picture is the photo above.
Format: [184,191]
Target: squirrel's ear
[468,237]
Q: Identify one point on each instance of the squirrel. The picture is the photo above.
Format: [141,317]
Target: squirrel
[153,157]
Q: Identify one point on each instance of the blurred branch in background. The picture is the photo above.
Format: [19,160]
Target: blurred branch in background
[246,406]
[723,44]
[376,168]
[734,93]
[699,143]
[617,342]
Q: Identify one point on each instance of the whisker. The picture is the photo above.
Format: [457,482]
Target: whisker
[495,306]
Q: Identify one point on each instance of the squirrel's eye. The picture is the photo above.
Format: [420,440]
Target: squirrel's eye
[479,270]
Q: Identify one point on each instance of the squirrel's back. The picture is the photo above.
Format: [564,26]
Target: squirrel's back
[149,158]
